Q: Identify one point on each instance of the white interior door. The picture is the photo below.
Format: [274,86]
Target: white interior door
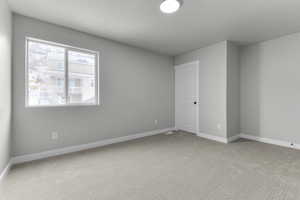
[187,97]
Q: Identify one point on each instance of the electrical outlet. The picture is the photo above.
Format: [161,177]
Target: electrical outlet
[54,135]
[156,122]
[219,126]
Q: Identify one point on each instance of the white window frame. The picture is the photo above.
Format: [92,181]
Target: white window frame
[67,49]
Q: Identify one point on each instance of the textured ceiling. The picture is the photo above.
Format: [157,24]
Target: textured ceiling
[198,23]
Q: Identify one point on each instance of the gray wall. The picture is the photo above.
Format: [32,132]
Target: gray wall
[270,89]
[233,90]
[136,88]
[5,83]
[212,88]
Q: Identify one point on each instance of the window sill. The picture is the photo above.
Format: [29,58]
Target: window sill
[63,106]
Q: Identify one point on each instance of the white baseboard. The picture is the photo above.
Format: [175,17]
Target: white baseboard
[72,149]
[270,141]
[5,171]
[219,138]
[233,138]
[250,137]
[213,137]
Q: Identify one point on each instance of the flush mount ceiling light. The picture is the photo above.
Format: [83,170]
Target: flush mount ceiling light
[170,6]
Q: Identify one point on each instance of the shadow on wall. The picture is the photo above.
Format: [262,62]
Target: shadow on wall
[251,82]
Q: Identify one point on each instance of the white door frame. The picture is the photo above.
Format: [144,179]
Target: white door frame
[197,92]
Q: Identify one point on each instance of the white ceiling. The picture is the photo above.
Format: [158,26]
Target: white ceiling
[198,23]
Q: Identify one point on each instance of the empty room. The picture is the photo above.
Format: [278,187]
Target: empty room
[150,100]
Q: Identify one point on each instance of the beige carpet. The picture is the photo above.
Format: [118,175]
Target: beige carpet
[163,167]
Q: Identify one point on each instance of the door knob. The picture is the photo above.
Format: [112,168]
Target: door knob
[195,102]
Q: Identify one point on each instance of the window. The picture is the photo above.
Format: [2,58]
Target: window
[60,75]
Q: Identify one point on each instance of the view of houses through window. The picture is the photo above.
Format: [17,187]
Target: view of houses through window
[58,75]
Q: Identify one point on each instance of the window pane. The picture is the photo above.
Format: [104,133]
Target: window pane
[82,81]
[46,74]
